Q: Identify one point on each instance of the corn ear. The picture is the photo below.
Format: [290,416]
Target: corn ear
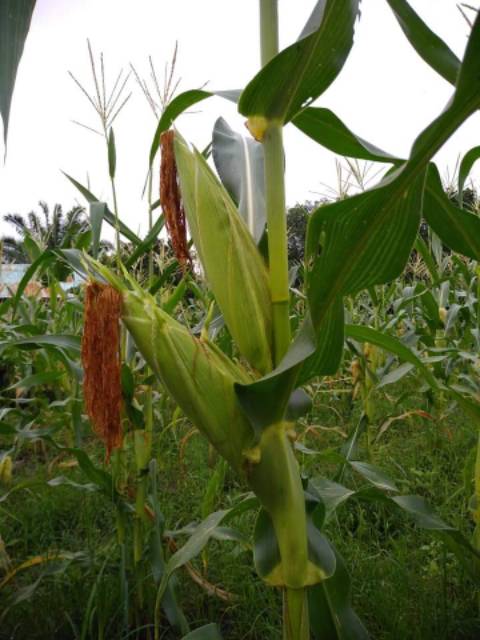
[233,265]
[198,376]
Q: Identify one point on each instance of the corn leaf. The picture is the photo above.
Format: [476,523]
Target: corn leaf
[323,126]
[178,105]
[44,260]
[468,160]
[233,265]
[329,604]
[302,72]
[207,632]
[45,377]
[148,242]
[390,344]
[97,213]
[239,163]
[15,18]
[365,240]
[107,214]
[457,228]
[69,342]
[426,43]
[266,552]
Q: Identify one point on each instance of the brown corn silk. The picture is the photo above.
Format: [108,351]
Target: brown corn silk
[171,201]
[101,363]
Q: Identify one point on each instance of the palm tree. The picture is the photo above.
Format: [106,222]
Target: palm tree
[38,232]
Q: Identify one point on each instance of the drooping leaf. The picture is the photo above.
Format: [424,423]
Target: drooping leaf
[427,257]
[266,552]
[303,71]
[207,632]
[180,104]
[331,493]
[323,126]
[233,265]
[239,162]
[44,260]
[374,475]
[199,538]
[395,375]
[107,214]
[390,344]
[45,377]
[299,405]
[426,518]
[468,160]
[65,341]
[457,228]
[426,43]
[464,102]
[97,213]
[15,18]
[365,240]
[330,608]
[75,259]
[327,348]
[148,242]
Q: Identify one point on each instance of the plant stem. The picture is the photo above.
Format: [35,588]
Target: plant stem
[277,238]
[289,518]
[295,615]
[117,225]
[268,30]
[275,196]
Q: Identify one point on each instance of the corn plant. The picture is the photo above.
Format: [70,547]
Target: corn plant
[243,406]
[246,405]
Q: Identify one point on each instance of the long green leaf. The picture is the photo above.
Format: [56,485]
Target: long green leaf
[366,239]
[97,214]
[331,614]
[207,632]
[239,163]
[45,377]
[15,18]
[43,260]
[390,344]
[457,228]
[468,160]
[108,215]
[64,341]
[148,242]
[323,126]
[180,104]
[302,72]
[426,43]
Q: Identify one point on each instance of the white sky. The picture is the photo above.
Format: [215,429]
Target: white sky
[385,93]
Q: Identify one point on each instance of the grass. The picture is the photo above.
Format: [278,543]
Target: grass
[405,583]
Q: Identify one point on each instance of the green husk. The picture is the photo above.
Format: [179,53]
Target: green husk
[201,379]
[233,265]
[196,373]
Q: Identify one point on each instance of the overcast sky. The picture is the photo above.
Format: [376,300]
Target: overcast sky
[385,92]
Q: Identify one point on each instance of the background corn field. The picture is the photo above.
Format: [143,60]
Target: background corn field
[248,424]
